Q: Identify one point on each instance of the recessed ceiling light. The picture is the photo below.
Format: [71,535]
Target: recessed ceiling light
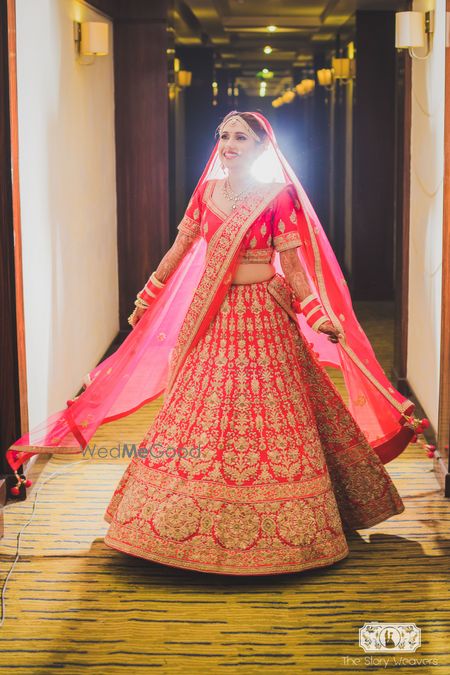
[267,49]
[271,29]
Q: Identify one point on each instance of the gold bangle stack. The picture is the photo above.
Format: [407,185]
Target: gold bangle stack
[130,318]
[142,304]
[155,281]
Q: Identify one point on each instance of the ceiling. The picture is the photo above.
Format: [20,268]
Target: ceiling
[237,29]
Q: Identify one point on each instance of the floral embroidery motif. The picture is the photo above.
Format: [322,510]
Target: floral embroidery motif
[293,217]
[263,229]
[282,468]
[281,226]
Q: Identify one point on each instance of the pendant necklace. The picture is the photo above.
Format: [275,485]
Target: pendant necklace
[233,196]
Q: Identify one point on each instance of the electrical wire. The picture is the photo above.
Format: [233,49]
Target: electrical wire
[65,469]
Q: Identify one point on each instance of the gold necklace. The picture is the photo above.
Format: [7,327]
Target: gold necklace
[233,196]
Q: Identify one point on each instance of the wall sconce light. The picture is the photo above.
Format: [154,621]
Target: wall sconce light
[305,87]
[411,29]
[343,69]
[215,91]
[288,96]
[184,78]
[325,77]
[91,39]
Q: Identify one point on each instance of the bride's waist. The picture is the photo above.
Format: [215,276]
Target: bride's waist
[246,273]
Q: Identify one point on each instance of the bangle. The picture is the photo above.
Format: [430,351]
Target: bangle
[152,289]
[155,281]
[140,303]
[131,318]
[313,311]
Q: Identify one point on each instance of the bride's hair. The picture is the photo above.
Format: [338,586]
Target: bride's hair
[252,122]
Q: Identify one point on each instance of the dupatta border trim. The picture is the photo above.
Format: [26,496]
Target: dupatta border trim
[401,407]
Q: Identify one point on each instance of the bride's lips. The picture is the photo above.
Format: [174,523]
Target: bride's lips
[231,155]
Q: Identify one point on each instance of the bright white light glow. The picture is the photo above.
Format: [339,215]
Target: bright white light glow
[267,167]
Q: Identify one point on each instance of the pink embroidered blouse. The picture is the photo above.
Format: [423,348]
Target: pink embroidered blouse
[274,230]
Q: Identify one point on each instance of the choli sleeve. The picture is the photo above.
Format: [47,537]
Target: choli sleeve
[190,223]
[286,214]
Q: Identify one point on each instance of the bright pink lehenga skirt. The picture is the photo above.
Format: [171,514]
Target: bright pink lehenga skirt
[254,464]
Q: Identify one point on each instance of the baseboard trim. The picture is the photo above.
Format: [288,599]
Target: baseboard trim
[439,463]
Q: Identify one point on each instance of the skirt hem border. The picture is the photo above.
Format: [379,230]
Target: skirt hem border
[131,550]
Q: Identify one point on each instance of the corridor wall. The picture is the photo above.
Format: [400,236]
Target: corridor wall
[426,214]
[67,200]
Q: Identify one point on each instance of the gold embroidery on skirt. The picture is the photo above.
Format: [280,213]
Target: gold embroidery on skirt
[283,468]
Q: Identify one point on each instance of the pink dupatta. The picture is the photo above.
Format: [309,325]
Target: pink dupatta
[147,362]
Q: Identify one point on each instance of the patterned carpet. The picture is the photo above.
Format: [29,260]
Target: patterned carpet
[73,604]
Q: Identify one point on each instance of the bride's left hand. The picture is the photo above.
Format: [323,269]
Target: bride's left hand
[333,333]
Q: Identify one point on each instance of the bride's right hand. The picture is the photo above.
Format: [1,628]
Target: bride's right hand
[136,316]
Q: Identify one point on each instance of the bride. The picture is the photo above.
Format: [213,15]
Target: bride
[254,463]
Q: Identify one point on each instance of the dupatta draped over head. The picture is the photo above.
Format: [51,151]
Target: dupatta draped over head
[148,361]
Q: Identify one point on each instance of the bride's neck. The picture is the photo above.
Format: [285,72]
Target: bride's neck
[239,179]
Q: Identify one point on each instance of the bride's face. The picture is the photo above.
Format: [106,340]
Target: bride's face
[237,149]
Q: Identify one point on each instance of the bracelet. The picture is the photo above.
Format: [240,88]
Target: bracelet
[140,303]
[152,289]
[313,311]
[130,319]
[155,281]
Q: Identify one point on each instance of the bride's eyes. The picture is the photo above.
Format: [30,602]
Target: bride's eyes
[239,138]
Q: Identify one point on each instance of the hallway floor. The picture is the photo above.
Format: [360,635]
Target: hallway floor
[73,604]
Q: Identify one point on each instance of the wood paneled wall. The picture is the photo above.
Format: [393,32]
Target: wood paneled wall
[142,146]
[141,154]
[374,157]
[402,191]
[13,386]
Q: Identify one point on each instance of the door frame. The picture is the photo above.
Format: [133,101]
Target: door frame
[443,432]
[13,387]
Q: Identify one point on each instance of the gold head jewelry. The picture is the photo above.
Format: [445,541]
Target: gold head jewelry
[232,121]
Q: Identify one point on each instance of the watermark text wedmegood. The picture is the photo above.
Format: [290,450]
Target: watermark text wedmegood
[155,450]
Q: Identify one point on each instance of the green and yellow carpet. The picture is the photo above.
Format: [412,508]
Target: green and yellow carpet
[74,605]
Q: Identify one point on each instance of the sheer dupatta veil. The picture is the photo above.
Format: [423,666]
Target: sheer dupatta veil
[140,369]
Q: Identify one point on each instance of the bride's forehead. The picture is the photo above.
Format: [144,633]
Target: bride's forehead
[233,125]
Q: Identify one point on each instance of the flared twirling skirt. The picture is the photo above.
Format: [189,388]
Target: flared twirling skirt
[254,464]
